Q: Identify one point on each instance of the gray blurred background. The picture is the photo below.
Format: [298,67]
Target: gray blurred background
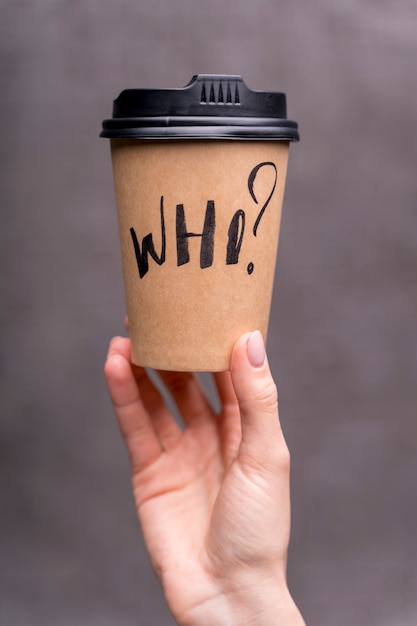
[342,340]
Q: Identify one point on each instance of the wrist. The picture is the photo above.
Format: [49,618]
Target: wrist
[250,605]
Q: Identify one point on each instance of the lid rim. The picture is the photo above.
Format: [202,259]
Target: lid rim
[198,132]
[195,120]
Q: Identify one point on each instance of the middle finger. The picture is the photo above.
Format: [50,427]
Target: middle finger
[188,395]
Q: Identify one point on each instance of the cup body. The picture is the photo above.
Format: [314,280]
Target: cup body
[199,226]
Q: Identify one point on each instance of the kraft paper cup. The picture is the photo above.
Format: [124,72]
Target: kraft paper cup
[199,214]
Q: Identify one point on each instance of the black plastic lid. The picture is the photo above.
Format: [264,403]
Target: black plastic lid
[209,107]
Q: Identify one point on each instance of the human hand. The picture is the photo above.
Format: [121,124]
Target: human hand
[213,498]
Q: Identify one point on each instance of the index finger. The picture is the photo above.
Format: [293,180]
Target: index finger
[135,423]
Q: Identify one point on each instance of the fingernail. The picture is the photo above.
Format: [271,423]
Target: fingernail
[256,349]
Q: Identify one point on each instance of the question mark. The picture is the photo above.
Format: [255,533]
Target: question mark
[251,181]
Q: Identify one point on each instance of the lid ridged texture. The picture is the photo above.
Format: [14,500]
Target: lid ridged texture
[209,107]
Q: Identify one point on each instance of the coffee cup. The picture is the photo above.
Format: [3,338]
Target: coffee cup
[199,177]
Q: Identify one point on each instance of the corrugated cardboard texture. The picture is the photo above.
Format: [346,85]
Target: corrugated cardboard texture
[196,274]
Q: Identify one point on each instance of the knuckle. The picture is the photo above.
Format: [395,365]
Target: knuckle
[267,395]
[279,456]
[284,457]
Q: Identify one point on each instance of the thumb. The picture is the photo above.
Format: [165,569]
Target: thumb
[263,444]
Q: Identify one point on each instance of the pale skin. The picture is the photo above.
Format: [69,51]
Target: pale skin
[212,498]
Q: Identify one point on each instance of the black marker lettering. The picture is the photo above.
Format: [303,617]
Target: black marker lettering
[251,181]
[235,236]
[148,246]
[207,236]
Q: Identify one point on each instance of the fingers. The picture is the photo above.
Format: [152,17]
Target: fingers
[225,389]
[135,424]
[189,397]
[166,428]
[163,422]
[263,443]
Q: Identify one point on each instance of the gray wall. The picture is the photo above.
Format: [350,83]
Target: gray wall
[343,334]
